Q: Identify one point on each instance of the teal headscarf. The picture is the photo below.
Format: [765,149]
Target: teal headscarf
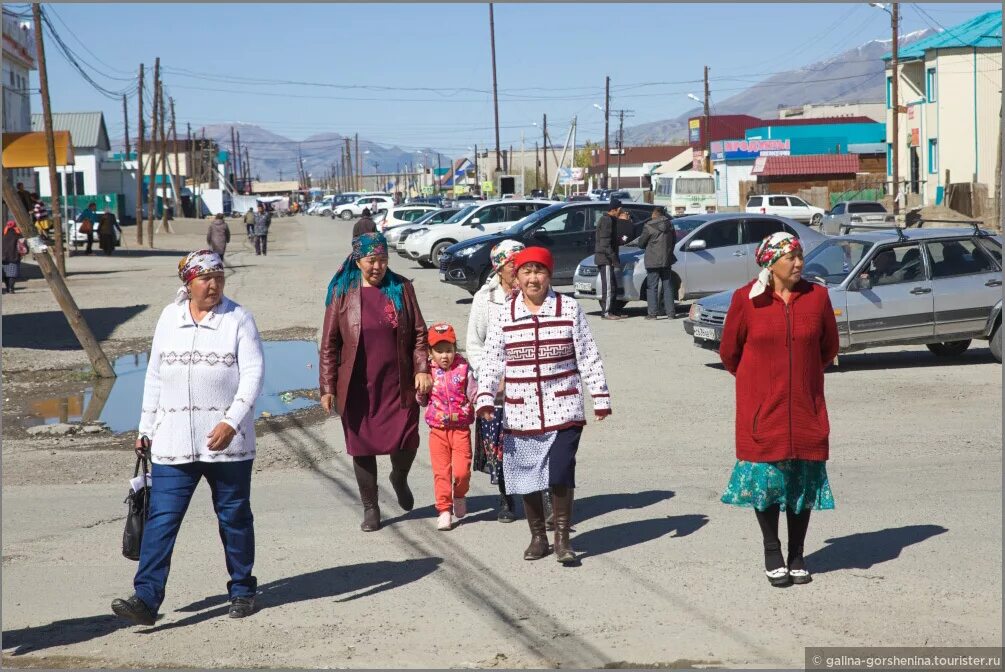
[348,276]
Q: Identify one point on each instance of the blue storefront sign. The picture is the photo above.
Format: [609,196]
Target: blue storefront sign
[738,150]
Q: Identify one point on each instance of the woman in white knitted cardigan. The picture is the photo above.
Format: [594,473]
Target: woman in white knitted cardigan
[203,377]
[501,285]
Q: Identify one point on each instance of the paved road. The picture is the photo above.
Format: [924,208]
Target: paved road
[911,556]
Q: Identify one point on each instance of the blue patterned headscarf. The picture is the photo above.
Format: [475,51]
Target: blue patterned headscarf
[349,277]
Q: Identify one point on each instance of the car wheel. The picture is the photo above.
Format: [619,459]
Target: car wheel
[949,348]
[816,220]
[996,343]
[437,251]
[326,212]
[346,215]
[426,264]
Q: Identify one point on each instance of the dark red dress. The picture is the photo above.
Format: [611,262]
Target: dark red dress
[374,421]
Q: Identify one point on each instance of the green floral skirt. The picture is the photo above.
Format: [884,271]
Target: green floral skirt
[794,485]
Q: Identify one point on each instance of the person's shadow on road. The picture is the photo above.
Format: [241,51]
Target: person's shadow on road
[865,549]
[620,536]
[369,577]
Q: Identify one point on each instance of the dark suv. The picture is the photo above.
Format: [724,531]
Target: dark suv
[567,229]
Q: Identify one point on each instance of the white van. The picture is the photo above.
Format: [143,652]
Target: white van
[426,245]
[685,192]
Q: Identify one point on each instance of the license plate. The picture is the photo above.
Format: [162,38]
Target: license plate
[443,276]
[584,287]
[705,332]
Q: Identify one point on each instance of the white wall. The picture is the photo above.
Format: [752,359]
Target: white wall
[730,175]
[86,164]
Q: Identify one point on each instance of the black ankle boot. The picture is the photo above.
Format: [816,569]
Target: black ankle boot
[507,514]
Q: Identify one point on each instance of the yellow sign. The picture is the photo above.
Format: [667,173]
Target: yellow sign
[488,187]
[694,123]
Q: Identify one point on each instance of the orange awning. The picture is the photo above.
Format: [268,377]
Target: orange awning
[27,150]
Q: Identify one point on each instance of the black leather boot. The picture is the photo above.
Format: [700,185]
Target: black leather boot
[507,514]
[366,478]
[401,464]
[533,506]
[549,513]
[561,497]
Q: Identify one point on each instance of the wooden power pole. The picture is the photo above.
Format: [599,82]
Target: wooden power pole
[707,128]
[56,283]
[495,87]
[139,163]
[607,133]
[152,187]
[166,169]
[125,123]
[359,164]
[544,147]
[176,173]
[50,142]
[895,106]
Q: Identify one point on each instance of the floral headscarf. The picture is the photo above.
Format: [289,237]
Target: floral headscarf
[503,253]
[770,250]
[348,276]
[200,262]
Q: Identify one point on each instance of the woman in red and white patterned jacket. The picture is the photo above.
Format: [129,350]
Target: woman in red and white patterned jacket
[542,347]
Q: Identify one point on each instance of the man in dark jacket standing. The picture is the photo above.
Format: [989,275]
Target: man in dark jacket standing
[364,224]
[605,253]
[658,239]
[263,220]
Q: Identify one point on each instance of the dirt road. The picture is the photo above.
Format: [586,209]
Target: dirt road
[911,555]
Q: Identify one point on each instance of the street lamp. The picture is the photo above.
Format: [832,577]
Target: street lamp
[894,11]
[694,97]
[598,107]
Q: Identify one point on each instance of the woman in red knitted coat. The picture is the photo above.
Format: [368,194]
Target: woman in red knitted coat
[780,335]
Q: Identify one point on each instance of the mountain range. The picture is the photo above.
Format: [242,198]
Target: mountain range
[854,76]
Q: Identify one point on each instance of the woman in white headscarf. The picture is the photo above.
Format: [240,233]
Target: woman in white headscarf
[198,421]
[488,442]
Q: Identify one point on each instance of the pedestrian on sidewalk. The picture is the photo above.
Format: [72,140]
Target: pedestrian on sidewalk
[25,197]
[449,414]
[487,302]
[218,235]
[87,223]
[364,224]
[658,239]
[374,360]
[263,220]
[107,226]
[249,223]
[41,215]
[780,335]
[606,255]
[13,249]
[542,351]
[204,375]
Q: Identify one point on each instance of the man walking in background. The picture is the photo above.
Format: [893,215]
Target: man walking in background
[249,223]
[263,220]
[364,224]
[605,254]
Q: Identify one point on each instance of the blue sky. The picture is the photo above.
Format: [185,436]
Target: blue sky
[552,58]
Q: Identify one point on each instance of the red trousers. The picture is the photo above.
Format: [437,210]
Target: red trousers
[450,455]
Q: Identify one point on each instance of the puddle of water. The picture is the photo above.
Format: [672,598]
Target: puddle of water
[117,402]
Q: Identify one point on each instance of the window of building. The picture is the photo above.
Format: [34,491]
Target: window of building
[889,159]
[933,155]
[889,91]
[930,85]
[68,183]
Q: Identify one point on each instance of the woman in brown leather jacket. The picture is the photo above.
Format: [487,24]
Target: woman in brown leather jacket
[374,359]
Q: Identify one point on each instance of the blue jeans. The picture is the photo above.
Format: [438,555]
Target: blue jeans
[173,487]
[655,278]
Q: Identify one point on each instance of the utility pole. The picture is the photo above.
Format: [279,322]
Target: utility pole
[438,168]
[607,134]
[125,123]
[152,189]
[621,141]
[544,139]
[233,155]
[537,167]
[177,167]
[707,128]
[50,141]
[164,161]
[359,165]
[246,165]
[495,88]
[998,172]
[347,166]
[477,175]
[139,164]
[895,106]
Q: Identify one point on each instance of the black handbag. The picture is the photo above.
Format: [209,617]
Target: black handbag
[138,508]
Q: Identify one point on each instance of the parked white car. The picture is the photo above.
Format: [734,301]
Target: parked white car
[405,214]
[784,205]
[355,208]
[428,243]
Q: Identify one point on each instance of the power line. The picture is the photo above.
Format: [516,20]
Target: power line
[72,59]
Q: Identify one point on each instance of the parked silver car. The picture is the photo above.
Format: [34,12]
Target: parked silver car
[838,219]
[936,287]
[714,252]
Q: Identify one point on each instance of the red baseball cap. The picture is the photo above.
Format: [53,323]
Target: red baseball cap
[440,332]
[535,255]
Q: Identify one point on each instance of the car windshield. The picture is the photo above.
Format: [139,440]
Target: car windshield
[833,260]
[426,217]
[685,225]
[533,218]
[866,207]
[462,214]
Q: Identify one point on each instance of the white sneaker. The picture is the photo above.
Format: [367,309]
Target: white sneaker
[444,522]
[460,507]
